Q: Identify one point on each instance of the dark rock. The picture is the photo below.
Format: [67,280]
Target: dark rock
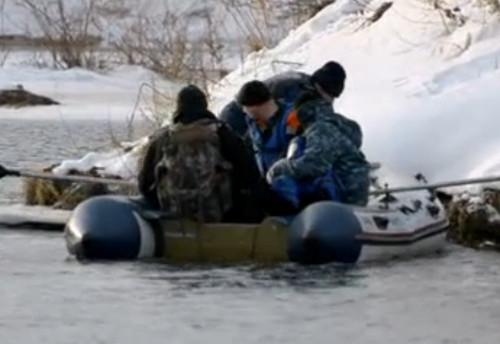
[19,97]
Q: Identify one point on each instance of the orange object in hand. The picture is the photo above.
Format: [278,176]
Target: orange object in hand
[292,122]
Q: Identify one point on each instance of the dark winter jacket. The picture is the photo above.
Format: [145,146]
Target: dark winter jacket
[329,146]
[190,109]
[232,149]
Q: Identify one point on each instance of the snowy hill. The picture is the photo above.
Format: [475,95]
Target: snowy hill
[423,82]
[423,86]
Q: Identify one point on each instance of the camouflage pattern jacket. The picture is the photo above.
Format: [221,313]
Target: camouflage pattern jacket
[192,178]
[328,147]
[245,171]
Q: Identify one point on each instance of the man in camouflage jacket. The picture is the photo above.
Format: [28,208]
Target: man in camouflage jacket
[331,145]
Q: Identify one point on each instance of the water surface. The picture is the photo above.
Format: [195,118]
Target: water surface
[47,297]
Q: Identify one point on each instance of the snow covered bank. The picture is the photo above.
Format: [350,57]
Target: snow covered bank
[422,85]
[83,94]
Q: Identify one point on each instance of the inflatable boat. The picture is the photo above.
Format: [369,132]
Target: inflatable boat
[390,226]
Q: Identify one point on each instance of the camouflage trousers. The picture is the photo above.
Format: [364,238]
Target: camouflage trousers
[357,187]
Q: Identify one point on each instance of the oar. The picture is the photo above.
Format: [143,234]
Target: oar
[87,179]
[437,185]
[81,179]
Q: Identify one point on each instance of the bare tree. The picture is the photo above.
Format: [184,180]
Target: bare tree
[493,4]
[69,32]
[302,10]
[187,47]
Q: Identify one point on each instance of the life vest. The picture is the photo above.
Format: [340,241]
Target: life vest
[275,146]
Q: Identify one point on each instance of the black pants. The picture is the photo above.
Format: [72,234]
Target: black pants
[254,204]
[272,203]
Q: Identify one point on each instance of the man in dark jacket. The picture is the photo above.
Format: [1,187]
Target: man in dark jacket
[192,106]
[284,88]
[270,130]
[328,81]
[330,148]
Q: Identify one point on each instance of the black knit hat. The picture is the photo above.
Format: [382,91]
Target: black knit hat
[331,78]
[253,93]
[192,105]
[191,97]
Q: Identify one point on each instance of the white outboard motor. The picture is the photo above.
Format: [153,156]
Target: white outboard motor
[109,228]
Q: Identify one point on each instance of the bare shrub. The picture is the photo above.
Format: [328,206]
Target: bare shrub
[302,10]
[186,47]
[263,23]
[4,55]
[253,20]
[157,105]
[68,31]
[493,4]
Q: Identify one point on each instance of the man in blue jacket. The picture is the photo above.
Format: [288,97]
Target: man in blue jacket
[267,121]
[286,87]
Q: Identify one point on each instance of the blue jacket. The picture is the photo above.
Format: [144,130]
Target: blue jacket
[284,87]
[271,144]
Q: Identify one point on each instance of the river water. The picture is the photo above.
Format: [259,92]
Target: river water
[47,297]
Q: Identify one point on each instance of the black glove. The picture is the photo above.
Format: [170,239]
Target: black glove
[4,172]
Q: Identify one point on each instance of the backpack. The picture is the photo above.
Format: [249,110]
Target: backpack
[192,178]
